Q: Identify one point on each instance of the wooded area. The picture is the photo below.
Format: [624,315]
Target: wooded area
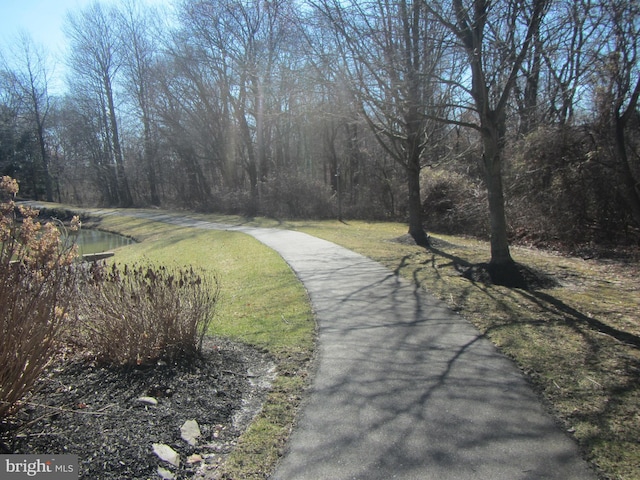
[505,119]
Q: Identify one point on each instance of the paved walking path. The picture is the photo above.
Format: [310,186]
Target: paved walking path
[405,388]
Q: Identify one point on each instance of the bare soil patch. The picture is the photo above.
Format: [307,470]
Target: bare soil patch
[95,412]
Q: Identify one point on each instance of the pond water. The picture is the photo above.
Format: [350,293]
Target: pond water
[96,241]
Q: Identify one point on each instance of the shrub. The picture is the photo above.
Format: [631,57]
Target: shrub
[453,203]
[36,281]
[294,195]
[561,190]
[135,315]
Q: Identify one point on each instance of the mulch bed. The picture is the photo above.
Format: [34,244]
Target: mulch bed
[95,412]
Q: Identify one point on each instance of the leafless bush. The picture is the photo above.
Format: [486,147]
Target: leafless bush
[453,203]
[36,281]
[34,305]
[560,190]
[293,195]
[133,315]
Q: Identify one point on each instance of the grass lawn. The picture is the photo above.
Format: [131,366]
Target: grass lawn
[577,342]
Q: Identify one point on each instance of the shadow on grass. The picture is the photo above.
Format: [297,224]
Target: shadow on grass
[591,380]
[527,282]
[552,305]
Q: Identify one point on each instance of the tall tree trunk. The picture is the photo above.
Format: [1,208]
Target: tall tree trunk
[124,193]
[251,161]
[48,184]
[492,163]
[529,113]
[493,133]
[414,151]
[149,161]
[416,227]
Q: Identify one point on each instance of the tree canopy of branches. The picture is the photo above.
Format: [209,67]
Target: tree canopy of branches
[391,54]
[521,113]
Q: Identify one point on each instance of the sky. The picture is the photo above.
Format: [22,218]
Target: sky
[43,20]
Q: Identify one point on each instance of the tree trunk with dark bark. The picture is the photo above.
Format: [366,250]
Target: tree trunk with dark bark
[416,226]
[500,253]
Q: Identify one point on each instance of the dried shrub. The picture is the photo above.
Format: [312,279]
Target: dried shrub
[561,190]
[36,282]
[454,203]
[294,195]
[135,315]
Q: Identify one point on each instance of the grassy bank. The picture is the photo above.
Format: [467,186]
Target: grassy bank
[262,304]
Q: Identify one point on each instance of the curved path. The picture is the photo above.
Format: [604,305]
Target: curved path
[404,387]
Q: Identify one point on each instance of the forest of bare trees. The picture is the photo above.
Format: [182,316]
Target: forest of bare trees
[505,119]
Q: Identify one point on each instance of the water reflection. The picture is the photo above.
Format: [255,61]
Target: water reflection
[96,241]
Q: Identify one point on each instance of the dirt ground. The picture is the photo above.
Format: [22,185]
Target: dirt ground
[98,412]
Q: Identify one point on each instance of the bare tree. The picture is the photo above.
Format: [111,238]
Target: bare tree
[240,44]
[87,165]
[564,46]
[96,57]
[618,90]
[30,72]
[10,125]
[485,30]
[140,51]
[390,53]
[191,125]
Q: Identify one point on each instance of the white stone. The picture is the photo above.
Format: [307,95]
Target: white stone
[148,400]
[166,453]
[165,474]
[190,431]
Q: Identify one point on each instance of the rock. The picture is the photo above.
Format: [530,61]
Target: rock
[165,474]
[166,453]
[190,431]
[147,400]
[195,458]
